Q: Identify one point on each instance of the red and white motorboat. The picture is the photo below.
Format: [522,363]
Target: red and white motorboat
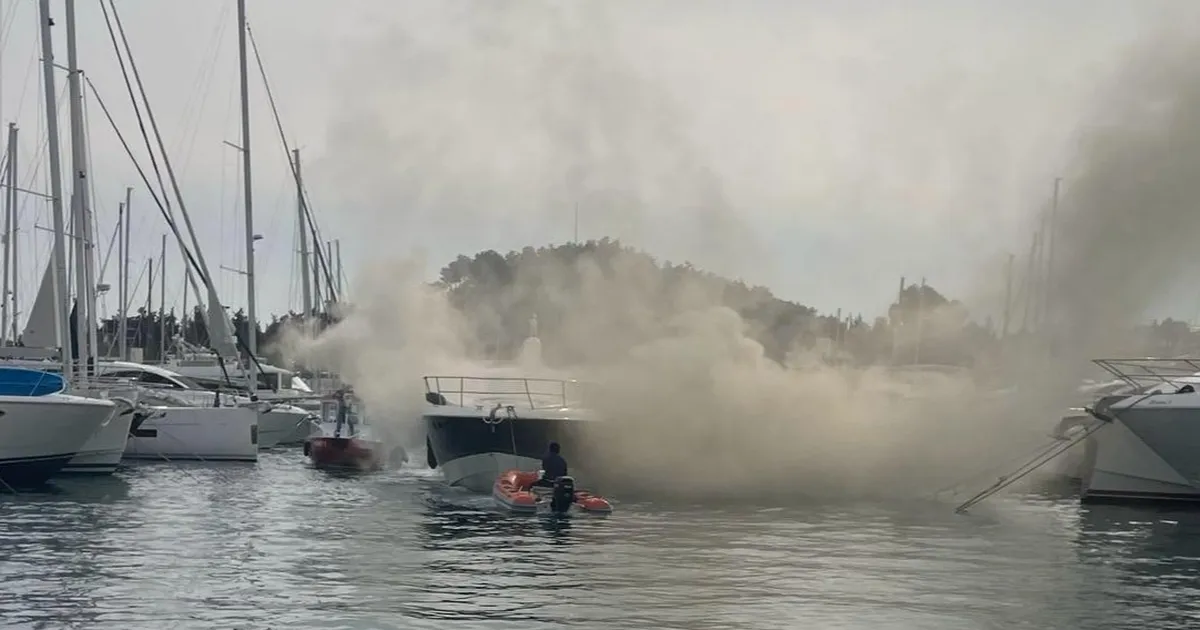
[515,491]
[343,440]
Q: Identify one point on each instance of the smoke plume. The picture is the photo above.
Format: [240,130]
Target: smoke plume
[918,139]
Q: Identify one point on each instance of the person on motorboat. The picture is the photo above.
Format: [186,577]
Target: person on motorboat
[553,467]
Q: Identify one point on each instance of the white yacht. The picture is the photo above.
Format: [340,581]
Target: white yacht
[1144,447]
[479,427]
[278,424]
[42,428]
[102,453]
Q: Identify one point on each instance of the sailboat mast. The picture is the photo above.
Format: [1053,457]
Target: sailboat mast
[125,275]
[13,241]
[122,274]
[162,303]
[79,202]
[59,260]
[252,323]
[9,207]
[304,264]
[340,290]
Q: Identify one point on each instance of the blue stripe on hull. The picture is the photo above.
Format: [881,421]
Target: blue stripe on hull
[20,473]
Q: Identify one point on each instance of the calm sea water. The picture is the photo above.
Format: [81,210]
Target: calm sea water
[277,545]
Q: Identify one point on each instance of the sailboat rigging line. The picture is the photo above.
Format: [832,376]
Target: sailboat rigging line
[116,18]
[158,203]
[193,112]
[137,111]
[321,258]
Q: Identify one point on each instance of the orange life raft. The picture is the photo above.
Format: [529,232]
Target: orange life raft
[514,491]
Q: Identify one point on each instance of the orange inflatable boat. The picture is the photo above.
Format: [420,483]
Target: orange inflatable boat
[515,490]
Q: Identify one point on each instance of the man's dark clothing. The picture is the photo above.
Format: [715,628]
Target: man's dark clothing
[553,466]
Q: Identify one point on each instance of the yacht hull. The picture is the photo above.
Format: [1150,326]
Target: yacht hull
[40,435]
[1146,454]
[472,450]
[196,433]
[281,426]
[102,453]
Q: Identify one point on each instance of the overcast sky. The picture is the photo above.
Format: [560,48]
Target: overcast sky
[820,148]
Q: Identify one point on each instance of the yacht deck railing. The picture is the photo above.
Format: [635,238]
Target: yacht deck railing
[1149,372]
[537,392]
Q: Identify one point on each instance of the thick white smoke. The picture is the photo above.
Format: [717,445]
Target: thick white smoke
[910,140]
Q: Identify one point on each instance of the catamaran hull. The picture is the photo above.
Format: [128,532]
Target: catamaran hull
[40,435]
[196,433]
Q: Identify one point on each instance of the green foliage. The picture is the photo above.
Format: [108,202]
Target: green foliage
[498,293]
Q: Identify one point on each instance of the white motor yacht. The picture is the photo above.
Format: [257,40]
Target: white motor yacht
[479,427]
[42,428]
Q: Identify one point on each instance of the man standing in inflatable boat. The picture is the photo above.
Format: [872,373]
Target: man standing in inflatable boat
[553,467]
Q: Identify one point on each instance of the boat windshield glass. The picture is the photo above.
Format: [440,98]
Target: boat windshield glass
[329,412]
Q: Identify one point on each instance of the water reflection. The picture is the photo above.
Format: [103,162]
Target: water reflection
[1148,559]
[279,544]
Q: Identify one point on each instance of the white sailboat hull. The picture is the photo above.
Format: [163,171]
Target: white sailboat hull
[196,433]
[283,426]
[102,453]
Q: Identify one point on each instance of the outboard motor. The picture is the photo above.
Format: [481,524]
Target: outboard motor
[563,495]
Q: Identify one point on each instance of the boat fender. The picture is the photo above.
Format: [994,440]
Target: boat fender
[430,458]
